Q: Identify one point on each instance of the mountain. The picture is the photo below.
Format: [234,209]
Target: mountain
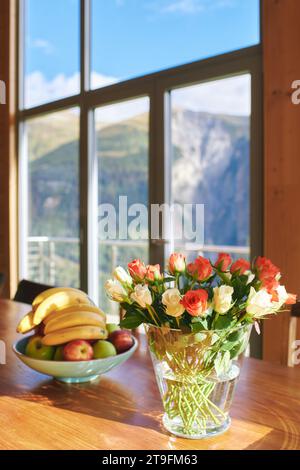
[210,166]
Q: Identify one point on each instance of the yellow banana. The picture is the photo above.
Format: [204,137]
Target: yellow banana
[74,319]
[56,301]
[47,293]
[76,332]
[74,309]
[26,324]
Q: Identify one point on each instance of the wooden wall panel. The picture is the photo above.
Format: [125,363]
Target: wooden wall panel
[281,62]
[8,188]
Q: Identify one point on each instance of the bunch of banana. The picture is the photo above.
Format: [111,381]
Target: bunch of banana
[66,314]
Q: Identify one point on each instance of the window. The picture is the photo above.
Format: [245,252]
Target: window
[122,134]
[187,134]
[50,225]
[135,37]
[210,160]
[51,53]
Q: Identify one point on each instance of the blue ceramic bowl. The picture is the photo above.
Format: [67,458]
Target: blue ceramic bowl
[72,372]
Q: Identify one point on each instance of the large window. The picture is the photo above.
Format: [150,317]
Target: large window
[134,37]
[95,129]
[51,54]
[122,148]
[210,134]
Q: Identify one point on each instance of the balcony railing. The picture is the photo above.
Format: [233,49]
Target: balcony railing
[46,254]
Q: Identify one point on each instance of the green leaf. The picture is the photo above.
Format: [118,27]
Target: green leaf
[239,347]
[198,325]
[132,320]
[222,362]
[222,322]
[228,345]
[214,338]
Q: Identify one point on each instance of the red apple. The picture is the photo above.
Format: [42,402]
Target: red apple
[40,330]
[121,339]
[78,350]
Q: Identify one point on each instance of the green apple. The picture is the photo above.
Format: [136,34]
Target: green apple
[36,349]
[111,327]
[58,355]
[103,349]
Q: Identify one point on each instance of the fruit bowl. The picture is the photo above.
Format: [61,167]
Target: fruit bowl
[72,371]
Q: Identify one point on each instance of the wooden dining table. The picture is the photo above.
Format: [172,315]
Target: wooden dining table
[123,409]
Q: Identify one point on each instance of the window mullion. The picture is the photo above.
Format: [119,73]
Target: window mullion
[84,142]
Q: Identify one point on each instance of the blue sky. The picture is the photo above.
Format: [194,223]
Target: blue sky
[133,37]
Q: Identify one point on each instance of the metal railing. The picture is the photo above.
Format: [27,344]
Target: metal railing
[43,256]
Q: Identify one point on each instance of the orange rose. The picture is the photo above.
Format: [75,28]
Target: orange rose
[223,261]
[271,287]
[292,299]
[200,269]
[195,302]
[137,269]
[176,263]
[266,270]
[240,266]
[153,272]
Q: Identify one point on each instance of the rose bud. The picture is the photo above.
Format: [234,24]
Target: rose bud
[240,266]
[266,270]
[200,269]
[223,261]
[176,263]
[153,272]
[137,270]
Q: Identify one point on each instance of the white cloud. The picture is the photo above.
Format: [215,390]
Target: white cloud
[42,44]
[122,111]
[192,6]
[39,90]
[226,96]
[183,6]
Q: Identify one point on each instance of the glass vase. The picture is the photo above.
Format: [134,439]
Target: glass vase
[196,374]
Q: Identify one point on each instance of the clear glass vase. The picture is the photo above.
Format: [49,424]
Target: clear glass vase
[196,375]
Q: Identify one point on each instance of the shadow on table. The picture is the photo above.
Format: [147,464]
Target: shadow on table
[103,398]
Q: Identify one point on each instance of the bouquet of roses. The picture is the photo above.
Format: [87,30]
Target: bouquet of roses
[198,319]
[200,295]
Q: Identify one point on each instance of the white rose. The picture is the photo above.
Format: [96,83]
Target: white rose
[259,303]
[250,275]
[282,297]
[122,276]
[115,290]
[171,299]
[222,300]
[141,295]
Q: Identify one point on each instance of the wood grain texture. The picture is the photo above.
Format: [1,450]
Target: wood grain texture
[8,166]
[123,410]
[281,62]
